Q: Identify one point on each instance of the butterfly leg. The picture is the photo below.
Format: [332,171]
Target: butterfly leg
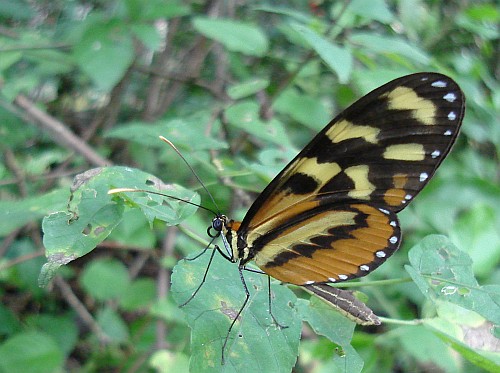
[275,321]
[280,326]
[198,255]
[204,277]
[247,297]
[202,252]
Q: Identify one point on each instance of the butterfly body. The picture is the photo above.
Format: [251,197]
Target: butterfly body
[330,214]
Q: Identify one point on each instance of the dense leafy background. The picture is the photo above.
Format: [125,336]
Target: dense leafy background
[239,88]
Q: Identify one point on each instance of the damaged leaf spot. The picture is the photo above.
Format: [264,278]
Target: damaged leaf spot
[99,230]
[87,230]
[228,311]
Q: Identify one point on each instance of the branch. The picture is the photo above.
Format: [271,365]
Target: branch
[59,132]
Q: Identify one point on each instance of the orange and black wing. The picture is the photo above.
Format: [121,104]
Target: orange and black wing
[330,215]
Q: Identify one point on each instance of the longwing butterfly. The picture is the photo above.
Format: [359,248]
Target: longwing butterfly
[330,214]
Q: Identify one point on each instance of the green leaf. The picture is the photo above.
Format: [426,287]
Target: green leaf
[148,35]
[17,10]
[104,53]
[8,321]
[337,328]
[105,279]
[467,333]
[15,214]
[377,10]
[166,309]
[61,327]
[390,45]
[140,294]
[255,343]
[140,10]
[112,325]
[476,232]
[30,352]
[304,108]
[338,58]
[429,350]
[166,361]
[188,132]
[236,36]
[444,273]
[247,88]
[92,213]
[245,115]
[10,124]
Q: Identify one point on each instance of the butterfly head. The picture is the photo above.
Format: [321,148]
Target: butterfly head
[219,222]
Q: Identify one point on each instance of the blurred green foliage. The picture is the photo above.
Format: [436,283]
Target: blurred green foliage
[239,88]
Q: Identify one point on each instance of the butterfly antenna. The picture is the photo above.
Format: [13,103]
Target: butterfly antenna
[121,190]
[192,170]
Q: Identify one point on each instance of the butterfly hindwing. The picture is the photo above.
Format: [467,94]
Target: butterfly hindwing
[326,245]
[330,214]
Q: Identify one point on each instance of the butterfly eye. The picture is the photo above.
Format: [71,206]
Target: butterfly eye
[217,225]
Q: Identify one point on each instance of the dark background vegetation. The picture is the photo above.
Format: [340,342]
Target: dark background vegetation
[239,87]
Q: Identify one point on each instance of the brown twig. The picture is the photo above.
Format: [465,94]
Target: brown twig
[59,132]
[81,310]
[22,259]
[158,81]
[163,283]
[138,263]
[11,163]
[7,241]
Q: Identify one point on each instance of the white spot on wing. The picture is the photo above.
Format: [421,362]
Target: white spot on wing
[393,223]
[452,115]
[380,254]
[435,154]
[309,282]
[331,279]
[393,240]
[423,176]
[439,84]
[343,277]
[447,133]
[450,97]
[384,211]
[364,267]
[408,197]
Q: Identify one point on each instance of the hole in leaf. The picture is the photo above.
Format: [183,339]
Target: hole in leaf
[150,182]
[340,351]
[74,217]
[86,231]
[449,290]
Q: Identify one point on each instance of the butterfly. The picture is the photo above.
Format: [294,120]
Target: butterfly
[331,214]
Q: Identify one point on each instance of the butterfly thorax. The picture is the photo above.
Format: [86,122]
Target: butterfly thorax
[235,240]
[235,244]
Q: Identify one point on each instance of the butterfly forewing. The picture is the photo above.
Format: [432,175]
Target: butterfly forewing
[330,214]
